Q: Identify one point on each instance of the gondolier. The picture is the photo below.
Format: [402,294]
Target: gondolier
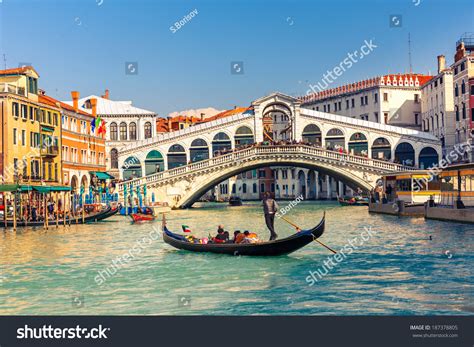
[270,207]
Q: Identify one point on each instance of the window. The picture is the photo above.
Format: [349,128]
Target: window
[472,89]
[23,137]
[366,100]
[456,91]
[417,98]
[113,131]
[472,114]
[254,188]
[147,130]
[32,113]
[340,105]
[462,66]
[329,108]
[376,116]
[133,131]
[335,106]
[352,102]
[463,87]
[244,188]
[49,117]
[123,131]
[324,108]
[347,104]
[361,101]
[261,173]
[463,110]
[416,118]
[385,117]
[14,136]
[456,109]
[114,158]
[376,98]
[385,96]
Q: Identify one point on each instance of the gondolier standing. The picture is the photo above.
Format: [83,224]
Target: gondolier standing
[270,207]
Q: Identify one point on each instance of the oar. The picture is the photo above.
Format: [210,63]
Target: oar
[297,227]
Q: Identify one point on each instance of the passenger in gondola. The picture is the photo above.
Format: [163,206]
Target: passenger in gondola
[236,234]
[250,237]
[221,237]
[238,237]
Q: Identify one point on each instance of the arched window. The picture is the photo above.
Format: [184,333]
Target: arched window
[220,143]
[358,144]
[243,136]
[312,134]
[154,162]
[113,131]
[244,188]
[176,156]
[405,154]
[147,130]
[335,139]
[428,157]
[132,128]
[199,150]
[131,168]
[123,131]
[381,149]
[114,157]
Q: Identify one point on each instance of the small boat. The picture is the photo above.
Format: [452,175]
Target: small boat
[353,202]
[270,248]
[235,201]
[141,217]
[90,218]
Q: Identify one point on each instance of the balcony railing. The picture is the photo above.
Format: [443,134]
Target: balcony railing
[50,151]
[10,88]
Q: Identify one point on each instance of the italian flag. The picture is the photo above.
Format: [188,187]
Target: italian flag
[186,228]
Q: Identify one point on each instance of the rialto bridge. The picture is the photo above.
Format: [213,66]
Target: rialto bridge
[178,167]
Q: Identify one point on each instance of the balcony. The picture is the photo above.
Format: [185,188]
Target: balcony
[49,151]
[10,88]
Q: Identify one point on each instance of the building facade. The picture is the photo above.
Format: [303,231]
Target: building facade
[437,106]
[389,99]
[83,149]
[463,89]
[125,124]
[31,131]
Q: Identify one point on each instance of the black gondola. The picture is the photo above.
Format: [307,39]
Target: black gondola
[270,248]
[108,212]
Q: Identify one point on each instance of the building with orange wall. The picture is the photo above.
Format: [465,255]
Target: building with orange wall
[83,150]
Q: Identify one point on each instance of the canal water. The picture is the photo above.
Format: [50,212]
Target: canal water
[395,269]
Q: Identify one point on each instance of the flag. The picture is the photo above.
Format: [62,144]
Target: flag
[186,228]
[93,126]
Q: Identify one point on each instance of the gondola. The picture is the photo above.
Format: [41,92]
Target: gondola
[235,201]
[271,248]
[91,218]
[141,217]
[345,202]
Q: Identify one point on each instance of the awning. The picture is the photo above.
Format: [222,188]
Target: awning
[47,129]
[8,187]
[102,175]
[48,189]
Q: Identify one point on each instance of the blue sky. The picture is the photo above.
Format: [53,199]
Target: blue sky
[284,45]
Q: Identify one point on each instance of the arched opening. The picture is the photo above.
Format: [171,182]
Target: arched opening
[132,128]
[243,136]
[114,158]
[123,131]
[312,134]
[154,162]
[405,154]
[277,125]
[131,168]
[312,185]
[220,143]
[358,144]
[301,184]
[199,150]
[84,184]
[147,129]
[427,158]
[113,131]
[381,149]
[176,156]
[335,140]
[74,184]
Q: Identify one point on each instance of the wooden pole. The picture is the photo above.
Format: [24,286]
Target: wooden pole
[83,208]
[298,228]
[64,209]
[14,212]
[5,206]
[57,210]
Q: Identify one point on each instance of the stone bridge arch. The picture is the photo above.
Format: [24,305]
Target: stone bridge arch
[199,184]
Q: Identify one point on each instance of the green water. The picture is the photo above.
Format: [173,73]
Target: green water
[398,270]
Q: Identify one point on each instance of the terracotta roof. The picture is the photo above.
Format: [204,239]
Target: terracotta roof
[396,80]
[17,71]
[45,99]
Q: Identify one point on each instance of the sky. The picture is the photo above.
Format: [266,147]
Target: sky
[88,45]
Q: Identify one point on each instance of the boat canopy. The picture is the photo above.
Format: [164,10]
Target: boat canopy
[102,175]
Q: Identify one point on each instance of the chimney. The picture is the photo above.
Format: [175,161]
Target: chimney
[75,100]
[94,107]
[441,63]
[202,116]
[106,96]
